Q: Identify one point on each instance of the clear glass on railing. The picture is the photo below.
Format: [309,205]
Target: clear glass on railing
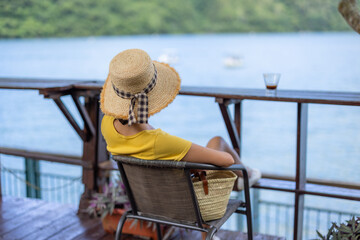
[271,82]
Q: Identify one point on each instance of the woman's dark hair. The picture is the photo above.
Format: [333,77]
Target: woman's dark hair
[123,121]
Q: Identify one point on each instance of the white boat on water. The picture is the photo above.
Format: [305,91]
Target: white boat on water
[169,56]
[233,61]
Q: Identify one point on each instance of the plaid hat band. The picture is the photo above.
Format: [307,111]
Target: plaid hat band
[142,98]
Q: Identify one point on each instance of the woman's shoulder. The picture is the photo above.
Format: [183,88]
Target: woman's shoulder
[107,119]
[170,147]
[107,125]
[163,137]
[162,133]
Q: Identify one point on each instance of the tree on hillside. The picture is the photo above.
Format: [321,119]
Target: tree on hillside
[350,11]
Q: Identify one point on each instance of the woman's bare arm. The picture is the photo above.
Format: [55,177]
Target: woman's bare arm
[199,154]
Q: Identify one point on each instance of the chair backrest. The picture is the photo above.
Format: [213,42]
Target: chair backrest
[159,189]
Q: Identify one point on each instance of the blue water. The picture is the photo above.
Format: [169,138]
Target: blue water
[306,61]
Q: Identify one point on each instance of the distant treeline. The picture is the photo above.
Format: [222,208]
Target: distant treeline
[62,18]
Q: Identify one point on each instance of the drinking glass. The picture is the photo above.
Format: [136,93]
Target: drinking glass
[271,82]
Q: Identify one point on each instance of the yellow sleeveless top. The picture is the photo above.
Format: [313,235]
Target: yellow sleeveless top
[148,144]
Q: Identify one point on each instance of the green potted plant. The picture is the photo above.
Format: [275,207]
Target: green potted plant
[348,230]
[111,204]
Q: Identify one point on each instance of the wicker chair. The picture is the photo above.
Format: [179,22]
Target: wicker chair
[162,192]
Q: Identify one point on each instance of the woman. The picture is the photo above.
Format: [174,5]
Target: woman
[137,88]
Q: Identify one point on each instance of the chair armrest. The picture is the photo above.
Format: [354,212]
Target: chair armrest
[204,166]
[176,164]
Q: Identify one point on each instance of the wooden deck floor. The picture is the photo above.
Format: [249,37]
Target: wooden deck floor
[31,219]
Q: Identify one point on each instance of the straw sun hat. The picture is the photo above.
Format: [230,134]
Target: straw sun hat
[135,84]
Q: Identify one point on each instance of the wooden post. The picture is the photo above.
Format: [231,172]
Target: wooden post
[102,154]
[230,124]
[32,175]
[82,134]
[238,120]
[94,152]
[300,177]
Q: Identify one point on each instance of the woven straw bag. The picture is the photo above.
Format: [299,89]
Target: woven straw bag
[214,197]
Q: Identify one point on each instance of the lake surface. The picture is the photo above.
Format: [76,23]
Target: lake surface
[306,61]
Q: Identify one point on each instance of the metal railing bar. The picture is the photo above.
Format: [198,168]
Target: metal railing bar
[277,209]
[267,219]
[306,223]
[328,218]
[316,181]
[287,217]
[310,189]
[265,202]
[317,219]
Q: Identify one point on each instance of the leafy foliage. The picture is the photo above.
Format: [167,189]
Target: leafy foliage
[113,196]
[47,18]
[350,230]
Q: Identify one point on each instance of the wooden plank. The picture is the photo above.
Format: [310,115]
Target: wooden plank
[6,203]
[56,226]
[238,93]
[89,85]
[55,221]
[321,97]
[74,160]
[9,225]
[40,222]
[109,237]
[36,84]
[58,88]
[96,232]
[224,234]
[76,229]
[13,209]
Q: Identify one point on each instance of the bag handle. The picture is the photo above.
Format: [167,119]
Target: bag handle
[202,177]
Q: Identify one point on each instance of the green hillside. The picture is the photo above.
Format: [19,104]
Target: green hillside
[63,18]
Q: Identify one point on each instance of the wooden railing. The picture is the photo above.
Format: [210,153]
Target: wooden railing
[95,158]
